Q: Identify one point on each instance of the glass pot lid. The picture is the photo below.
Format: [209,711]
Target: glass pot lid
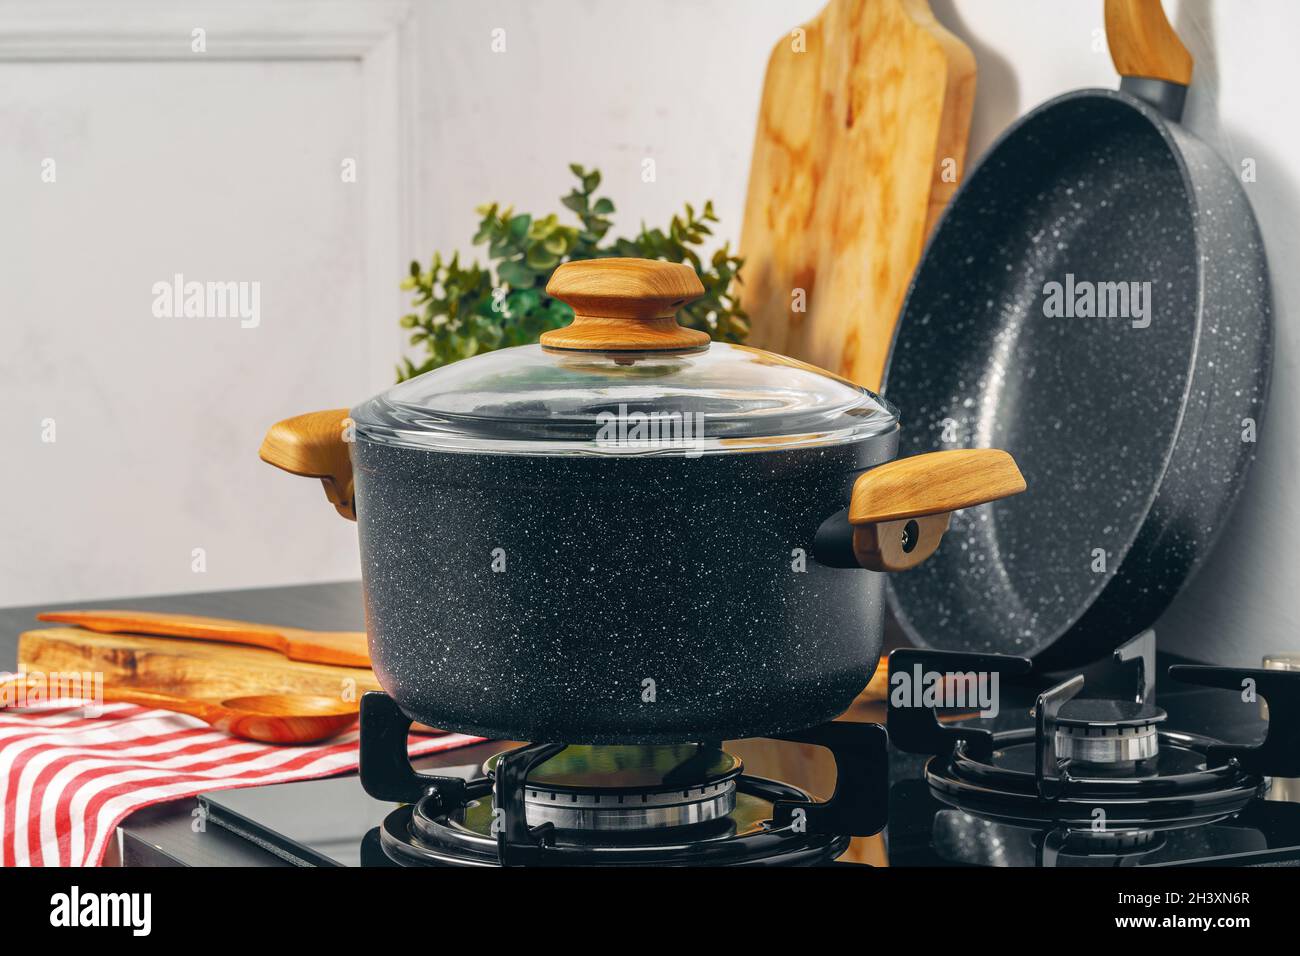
[624,379]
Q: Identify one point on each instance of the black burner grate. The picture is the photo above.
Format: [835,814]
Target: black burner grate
[484,822]
[1019,776]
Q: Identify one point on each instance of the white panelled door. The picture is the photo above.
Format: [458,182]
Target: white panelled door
[202,230]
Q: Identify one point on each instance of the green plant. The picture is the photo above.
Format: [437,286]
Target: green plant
[462,310]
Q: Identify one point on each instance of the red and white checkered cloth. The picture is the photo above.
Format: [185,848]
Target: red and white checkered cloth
[67,780]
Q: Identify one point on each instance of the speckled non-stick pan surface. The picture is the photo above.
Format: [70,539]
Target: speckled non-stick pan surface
[1134,431]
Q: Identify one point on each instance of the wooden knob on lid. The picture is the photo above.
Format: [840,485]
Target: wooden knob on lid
[625,305]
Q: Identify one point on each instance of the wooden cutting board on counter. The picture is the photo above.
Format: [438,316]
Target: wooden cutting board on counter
[192,668]
[861,142]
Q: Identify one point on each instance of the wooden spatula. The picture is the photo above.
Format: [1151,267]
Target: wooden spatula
[268,718]
[347,648]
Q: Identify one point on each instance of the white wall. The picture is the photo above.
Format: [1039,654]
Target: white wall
[602,83]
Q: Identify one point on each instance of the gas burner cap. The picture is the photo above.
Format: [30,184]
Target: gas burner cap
[621,788]
[1114,733]
[1099,710]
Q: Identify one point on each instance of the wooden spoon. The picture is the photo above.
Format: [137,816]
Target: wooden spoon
[347,648]
[268,718]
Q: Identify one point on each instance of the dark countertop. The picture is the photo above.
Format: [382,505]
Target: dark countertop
[163,834]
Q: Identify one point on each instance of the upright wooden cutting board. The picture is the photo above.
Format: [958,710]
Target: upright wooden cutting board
[861,140]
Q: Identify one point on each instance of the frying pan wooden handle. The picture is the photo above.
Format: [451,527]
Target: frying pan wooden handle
[624,305]
[1143,43]
[313,445]
[900,510]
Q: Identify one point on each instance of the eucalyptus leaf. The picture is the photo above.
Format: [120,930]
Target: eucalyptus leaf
[515,273]
[541,259]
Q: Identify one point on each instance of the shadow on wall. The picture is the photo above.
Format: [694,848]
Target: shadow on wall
[997,90]
[1195,26]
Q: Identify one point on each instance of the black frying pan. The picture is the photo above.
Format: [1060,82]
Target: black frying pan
[1133,426]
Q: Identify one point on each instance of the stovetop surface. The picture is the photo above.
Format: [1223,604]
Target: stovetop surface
[333,822]
[310,822]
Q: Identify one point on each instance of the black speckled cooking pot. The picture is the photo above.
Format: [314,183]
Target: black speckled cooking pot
[529,576]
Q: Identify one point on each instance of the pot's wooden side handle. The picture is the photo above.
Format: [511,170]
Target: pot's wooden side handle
[313,445]
[1143,43]
[900,510]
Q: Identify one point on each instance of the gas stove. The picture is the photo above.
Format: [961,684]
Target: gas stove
[1068,772]
[552,804]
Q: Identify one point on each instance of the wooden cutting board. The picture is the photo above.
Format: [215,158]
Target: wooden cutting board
[861,141]
[192,668]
